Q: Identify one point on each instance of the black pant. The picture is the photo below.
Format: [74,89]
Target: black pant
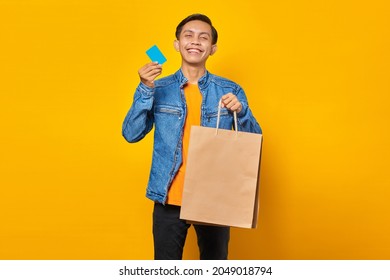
[169,233]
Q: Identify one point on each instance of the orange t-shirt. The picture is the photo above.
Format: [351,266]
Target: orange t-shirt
[194,103]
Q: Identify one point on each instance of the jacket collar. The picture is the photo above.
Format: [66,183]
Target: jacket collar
[202,83]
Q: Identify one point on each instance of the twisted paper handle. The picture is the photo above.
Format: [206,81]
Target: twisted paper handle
[219,115]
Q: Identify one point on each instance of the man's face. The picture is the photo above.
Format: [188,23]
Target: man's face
[195,43]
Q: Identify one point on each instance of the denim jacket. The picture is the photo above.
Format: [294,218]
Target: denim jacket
[164,106]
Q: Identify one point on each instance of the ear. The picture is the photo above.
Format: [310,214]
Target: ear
[176,45]
[213,49]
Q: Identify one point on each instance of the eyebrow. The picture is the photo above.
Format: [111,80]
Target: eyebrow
[200,33]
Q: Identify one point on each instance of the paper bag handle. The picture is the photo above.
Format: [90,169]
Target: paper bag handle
[219,115]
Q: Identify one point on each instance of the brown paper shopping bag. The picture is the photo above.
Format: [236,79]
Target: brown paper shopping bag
[221,184]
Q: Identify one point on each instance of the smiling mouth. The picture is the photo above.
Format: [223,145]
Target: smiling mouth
[192,50]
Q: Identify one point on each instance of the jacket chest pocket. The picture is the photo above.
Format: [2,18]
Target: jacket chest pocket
[225,121]
[212,116]
[168,112]
[168,119]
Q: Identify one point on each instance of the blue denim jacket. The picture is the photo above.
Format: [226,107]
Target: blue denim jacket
[165,107]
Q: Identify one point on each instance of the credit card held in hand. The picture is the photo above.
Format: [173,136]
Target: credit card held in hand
[156,55]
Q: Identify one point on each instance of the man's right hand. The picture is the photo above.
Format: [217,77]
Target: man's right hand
[149,72]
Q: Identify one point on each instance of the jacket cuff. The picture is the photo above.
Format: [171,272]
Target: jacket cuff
[243,110]
[145,90]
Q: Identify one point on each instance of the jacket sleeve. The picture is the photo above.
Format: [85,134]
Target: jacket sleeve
[245,119]
[139,119]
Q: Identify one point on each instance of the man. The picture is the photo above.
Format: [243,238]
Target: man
[173,104]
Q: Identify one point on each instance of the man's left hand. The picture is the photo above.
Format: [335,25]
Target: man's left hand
[231,102]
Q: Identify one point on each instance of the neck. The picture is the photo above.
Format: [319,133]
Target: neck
[193,73]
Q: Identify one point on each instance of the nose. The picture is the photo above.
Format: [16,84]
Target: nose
[195,41]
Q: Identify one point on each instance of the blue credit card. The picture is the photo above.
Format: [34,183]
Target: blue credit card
[156,55]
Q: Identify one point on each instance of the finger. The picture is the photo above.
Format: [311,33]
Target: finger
[230,101]
[152,72]
[149,71]
[236,107]
[151,75]
[228,98]
[146,66]
[231,105]
[150,64]
[152,78]
[149,67]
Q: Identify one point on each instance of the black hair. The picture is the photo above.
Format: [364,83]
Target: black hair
[214,33]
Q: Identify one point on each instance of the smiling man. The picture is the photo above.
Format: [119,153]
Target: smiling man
[173,104]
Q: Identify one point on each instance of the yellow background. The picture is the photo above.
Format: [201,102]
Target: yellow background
[316,74]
